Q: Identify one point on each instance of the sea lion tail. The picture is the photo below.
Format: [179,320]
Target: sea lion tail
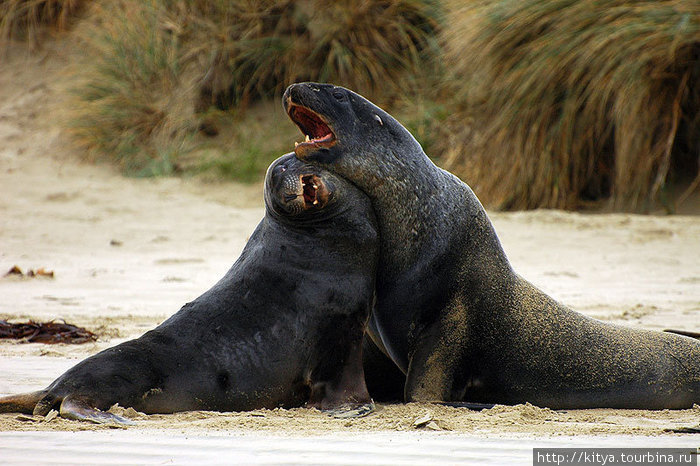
[22,403]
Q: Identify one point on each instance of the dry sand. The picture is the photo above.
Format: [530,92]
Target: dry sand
[127,253]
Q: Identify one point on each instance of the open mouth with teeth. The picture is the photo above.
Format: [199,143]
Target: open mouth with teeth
[309,188]
[314,192]
[318,134]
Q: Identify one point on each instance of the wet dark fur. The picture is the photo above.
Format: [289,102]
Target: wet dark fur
[284,326]
[451,312]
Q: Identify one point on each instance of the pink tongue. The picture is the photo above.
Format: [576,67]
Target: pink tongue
[327,137]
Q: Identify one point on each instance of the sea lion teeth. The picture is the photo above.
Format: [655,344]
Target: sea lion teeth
[295,144]
[315,187]
[307,138]
[315,201]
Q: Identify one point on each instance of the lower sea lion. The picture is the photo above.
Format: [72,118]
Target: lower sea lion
[450,311]
[284,326]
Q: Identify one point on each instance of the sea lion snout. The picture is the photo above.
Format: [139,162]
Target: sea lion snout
[300,91]
[276,175]
[297,187]
[306,106]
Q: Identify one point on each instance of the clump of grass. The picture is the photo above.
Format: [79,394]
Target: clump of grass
[254,49]
[27,19]
[134,96]
[160,70]
[569,101]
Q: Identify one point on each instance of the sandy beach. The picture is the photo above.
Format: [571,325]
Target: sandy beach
[127,253]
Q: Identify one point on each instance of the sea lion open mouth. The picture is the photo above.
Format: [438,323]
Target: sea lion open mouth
[300,192]
[318,133]
[314,191]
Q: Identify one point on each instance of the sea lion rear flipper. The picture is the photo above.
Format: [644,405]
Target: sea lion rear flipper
[80,410]
[22,403]
[47,402]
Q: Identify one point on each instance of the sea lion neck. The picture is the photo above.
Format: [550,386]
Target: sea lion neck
[428,205]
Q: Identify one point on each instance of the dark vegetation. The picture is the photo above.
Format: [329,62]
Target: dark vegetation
[45,332]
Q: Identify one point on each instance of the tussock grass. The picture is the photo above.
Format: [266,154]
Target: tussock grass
[370,46]
[563,101]
[548,103]
[158,71]
[27,19]
[134,96]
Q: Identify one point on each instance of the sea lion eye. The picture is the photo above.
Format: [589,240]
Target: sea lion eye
[339,95]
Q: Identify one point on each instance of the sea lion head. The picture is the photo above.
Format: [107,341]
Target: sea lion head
[346,130]
[294,188]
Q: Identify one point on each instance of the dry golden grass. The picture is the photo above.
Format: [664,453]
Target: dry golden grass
[27,19]
[252,49]
[548,103]
[159,70]
[134,98]
[560,101]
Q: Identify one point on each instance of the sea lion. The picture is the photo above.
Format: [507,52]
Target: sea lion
[284,326]
[450,310]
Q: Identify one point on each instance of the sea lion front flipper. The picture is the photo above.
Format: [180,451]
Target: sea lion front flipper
[684,430]
[432,363]
[346,394]
[426,381]
[466,404]
[80,410]
[351,411]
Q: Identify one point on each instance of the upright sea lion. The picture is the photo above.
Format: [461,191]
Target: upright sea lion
[284,326]
[450,311]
